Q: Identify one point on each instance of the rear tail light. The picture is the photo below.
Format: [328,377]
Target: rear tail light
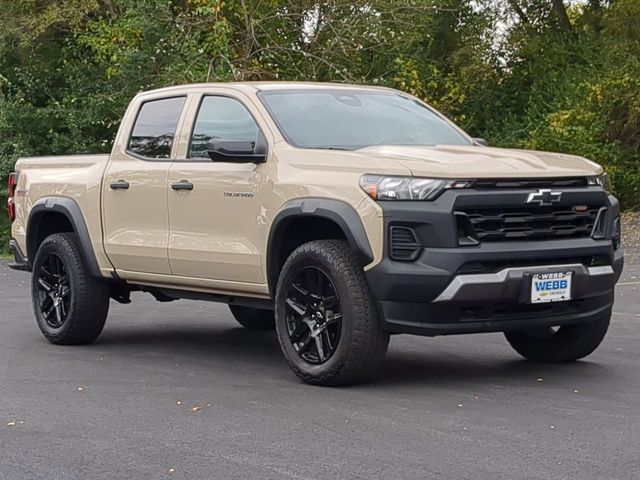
[11,206]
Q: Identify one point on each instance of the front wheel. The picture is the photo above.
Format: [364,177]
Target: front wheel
[559,344]
[326,318]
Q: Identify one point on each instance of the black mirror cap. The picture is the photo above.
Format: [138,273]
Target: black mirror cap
[239,151]
[480,141]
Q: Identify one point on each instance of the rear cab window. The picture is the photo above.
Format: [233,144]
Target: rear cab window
[155,128]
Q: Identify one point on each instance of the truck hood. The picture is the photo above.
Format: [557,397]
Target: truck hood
[449,161]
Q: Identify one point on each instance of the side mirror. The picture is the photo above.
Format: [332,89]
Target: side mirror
[240,151]
[481,141]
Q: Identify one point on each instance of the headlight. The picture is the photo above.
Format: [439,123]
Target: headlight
[600,181]
[406,188]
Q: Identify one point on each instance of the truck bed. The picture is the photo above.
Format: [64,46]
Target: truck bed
[78,177]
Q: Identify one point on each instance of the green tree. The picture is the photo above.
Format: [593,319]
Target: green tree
[542,74]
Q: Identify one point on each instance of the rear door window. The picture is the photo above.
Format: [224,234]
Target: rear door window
[155,127]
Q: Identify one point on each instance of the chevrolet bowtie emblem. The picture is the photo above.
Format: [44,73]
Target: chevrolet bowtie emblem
[544,197]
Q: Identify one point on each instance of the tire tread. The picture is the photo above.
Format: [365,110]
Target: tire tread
[568,344]
[369,342]
[89,297]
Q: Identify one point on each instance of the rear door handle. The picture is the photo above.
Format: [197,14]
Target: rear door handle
[119,185]
[182,185]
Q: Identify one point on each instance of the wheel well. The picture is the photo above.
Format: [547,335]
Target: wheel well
[295,232]
[44,225]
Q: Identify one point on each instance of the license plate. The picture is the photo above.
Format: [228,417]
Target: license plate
[550,287]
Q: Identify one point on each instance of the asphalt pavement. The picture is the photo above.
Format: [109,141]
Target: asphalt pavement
[179,391]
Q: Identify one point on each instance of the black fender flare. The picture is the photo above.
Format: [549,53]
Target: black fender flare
[71,210]
[341,213]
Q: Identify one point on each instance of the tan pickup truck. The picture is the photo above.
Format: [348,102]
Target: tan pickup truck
[337,214]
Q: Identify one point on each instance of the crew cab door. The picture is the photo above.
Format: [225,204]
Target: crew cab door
[134,188]
[215,207]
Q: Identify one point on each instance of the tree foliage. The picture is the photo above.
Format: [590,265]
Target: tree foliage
[537,74]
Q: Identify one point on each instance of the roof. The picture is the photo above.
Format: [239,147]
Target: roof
[264,86]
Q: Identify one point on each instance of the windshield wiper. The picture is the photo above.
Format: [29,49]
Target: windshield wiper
[324,147]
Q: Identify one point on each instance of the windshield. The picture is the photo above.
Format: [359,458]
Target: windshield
[352,119]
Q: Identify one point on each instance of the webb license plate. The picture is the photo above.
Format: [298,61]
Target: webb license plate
[550,287]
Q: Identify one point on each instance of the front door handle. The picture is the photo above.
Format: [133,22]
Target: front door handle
[182,185]
[119,185]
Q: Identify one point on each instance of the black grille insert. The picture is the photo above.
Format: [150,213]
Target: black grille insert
[492,224]
[404,244]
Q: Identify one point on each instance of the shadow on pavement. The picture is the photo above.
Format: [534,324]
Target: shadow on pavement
[195,342]
[203,345]
[428,369]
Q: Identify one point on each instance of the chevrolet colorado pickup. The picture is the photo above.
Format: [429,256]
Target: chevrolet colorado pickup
[336,214]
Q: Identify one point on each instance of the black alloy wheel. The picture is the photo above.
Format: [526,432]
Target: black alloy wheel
[70,304]
[313,315]
[326,318]
[54,291]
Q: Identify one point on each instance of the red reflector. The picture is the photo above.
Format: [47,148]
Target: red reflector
[11,209]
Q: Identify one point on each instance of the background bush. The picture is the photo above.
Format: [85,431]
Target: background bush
[537,74]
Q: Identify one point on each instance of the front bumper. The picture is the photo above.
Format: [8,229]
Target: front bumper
[429,297]
[452,289]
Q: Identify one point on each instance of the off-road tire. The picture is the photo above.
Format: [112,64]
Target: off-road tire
[253,318]
[89,296]
[362,344]
[567,344]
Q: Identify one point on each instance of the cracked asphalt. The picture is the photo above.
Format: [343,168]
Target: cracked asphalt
[178,390]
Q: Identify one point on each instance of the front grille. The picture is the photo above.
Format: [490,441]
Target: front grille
[491,224]
[530,183]
[404,244]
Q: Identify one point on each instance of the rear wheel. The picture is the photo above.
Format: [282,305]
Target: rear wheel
[253,318]
[559,344]
[326,318]
[70,305]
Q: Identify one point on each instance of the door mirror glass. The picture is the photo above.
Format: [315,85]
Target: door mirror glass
[235,151]
[481,141]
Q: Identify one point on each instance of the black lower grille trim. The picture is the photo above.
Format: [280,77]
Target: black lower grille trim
[470,268]
[508,311]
